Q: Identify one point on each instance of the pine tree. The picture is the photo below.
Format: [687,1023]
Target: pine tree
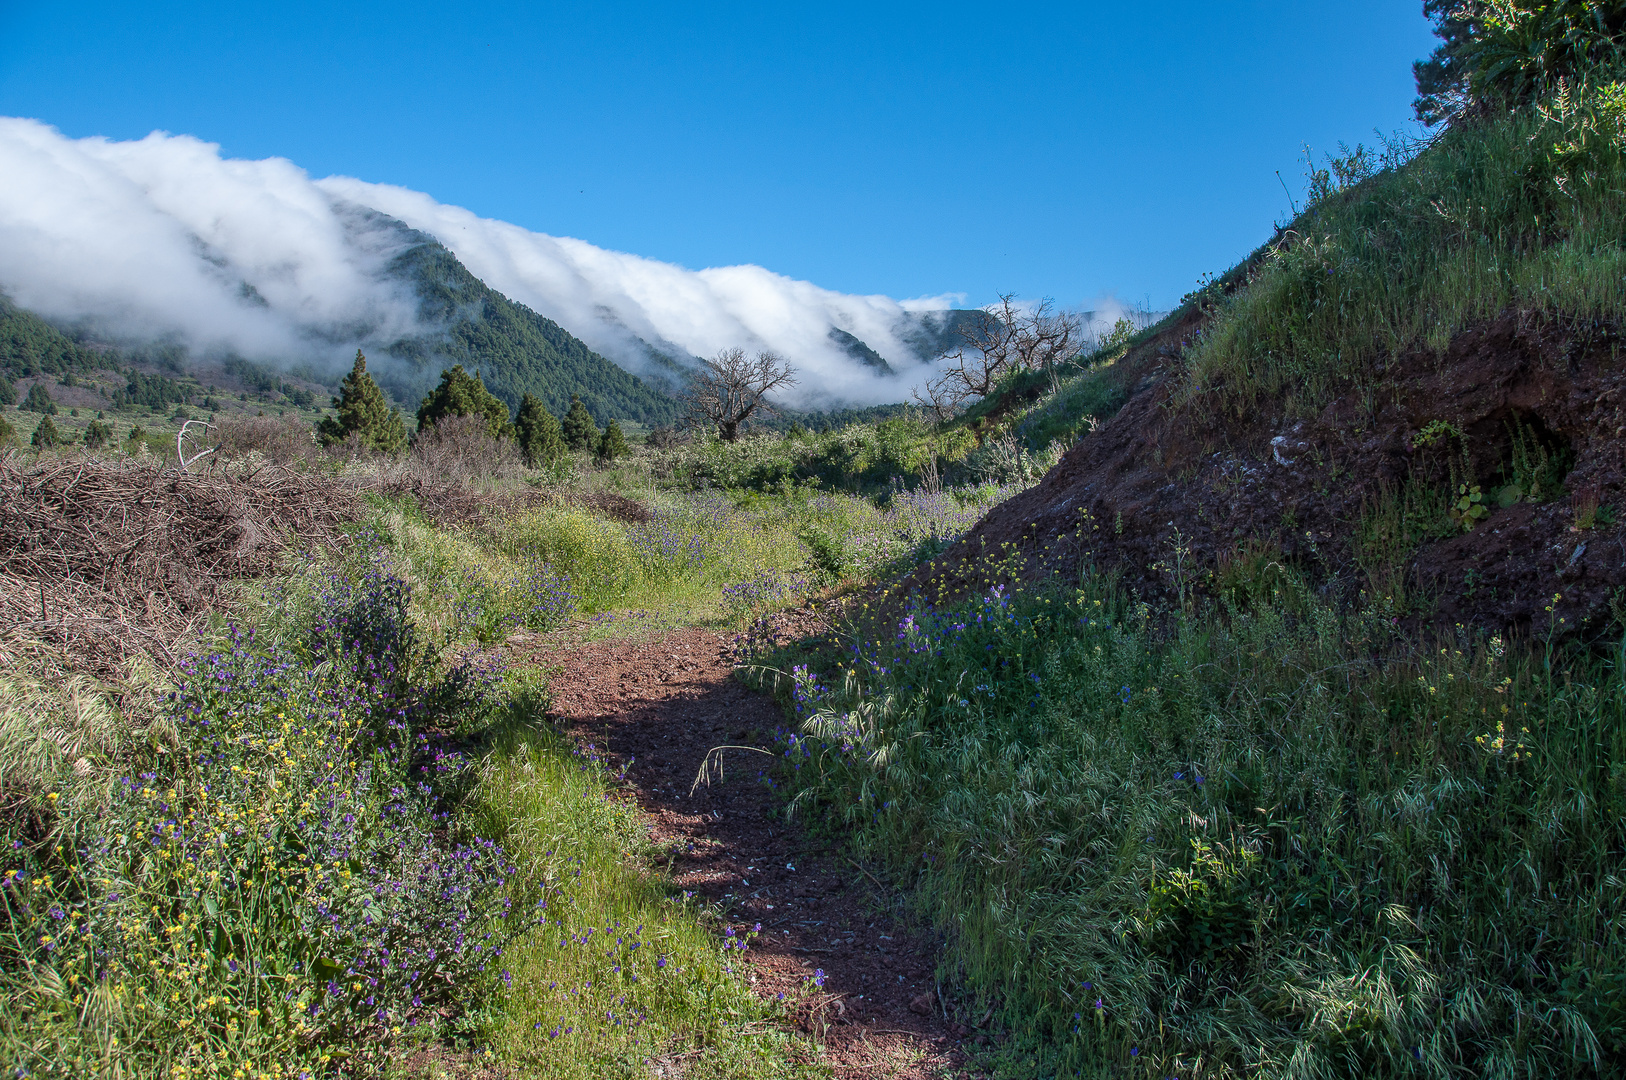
[362,409]
[8,434]
[98,434]
[462,394]
[39,400]
[579,430]
[46,435]
[541,440]
[612,444]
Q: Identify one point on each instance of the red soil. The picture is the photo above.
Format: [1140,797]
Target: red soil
[658,706]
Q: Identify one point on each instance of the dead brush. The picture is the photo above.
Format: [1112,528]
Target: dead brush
[280,440]
[109,559]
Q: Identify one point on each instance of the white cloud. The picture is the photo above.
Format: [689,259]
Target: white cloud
[163,237]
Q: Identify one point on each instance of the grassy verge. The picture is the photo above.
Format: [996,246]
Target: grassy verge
[1269,839]
[628,972]
[1517,212]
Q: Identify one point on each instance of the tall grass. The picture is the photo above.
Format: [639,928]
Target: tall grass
[1265,841]
[1520,212]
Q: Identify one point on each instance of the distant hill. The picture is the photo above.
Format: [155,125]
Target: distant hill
[515,350]
[860,351]
[31,346]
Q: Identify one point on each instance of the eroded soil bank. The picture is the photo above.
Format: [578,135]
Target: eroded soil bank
[1174,487]
[654,708]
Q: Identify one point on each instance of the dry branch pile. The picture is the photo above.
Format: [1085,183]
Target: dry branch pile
[109,558]
[103,559]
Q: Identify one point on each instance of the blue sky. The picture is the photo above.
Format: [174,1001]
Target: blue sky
[1073,151]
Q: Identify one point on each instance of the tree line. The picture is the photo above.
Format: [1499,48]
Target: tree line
[361,411]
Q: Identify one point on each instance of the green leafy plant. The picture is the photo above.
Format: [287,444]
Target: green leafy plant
[1535,472]
[1469,509]
[829,560]
[1435,430]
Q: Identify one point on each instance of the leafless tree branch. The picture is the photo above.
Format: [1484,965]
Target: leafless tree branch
[730,389]
[1000,339]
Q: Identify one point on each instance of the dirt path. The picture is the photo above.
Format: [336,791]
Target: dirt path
[658,707]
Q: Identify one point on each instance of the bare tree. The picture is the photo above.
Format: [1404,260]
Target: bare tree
[729,389]
[1000,339]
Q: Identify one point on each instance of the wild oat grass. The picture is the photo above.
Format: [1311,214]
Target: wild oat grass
[1521,212]
[1272,840]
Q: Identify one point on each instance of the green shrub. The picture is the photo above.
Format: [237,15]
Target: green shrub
[611,445]
[97,434]
[278,893]
[46,436]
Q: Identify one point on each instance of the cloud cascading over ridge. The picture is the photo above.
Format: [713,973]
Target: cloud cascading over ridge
[161,237]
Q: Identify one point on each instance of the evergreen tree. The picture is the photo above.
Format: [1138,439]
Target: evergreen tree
[612,444]
[462,394]
[362,409]
[541,439]
[39,400]
[579,430]
[8,434]
[8,393]
[46,435]
[98,434]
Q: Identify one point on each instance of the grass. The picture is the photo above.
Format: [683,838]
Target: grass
[1267,838]
[1520,212]
[290,866]
[634,972]
[242,873]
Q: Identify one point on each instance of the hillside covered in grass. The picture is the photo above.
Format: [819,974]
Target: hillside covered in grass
[1276,731]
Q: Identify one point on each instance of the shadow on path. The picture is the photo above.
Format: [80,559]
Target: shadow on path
[655,708]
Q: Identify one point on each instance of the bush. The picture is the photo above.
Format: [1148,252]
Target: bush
[97,434]
[462,450]
[611,445]
[283,440]
[46,436]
